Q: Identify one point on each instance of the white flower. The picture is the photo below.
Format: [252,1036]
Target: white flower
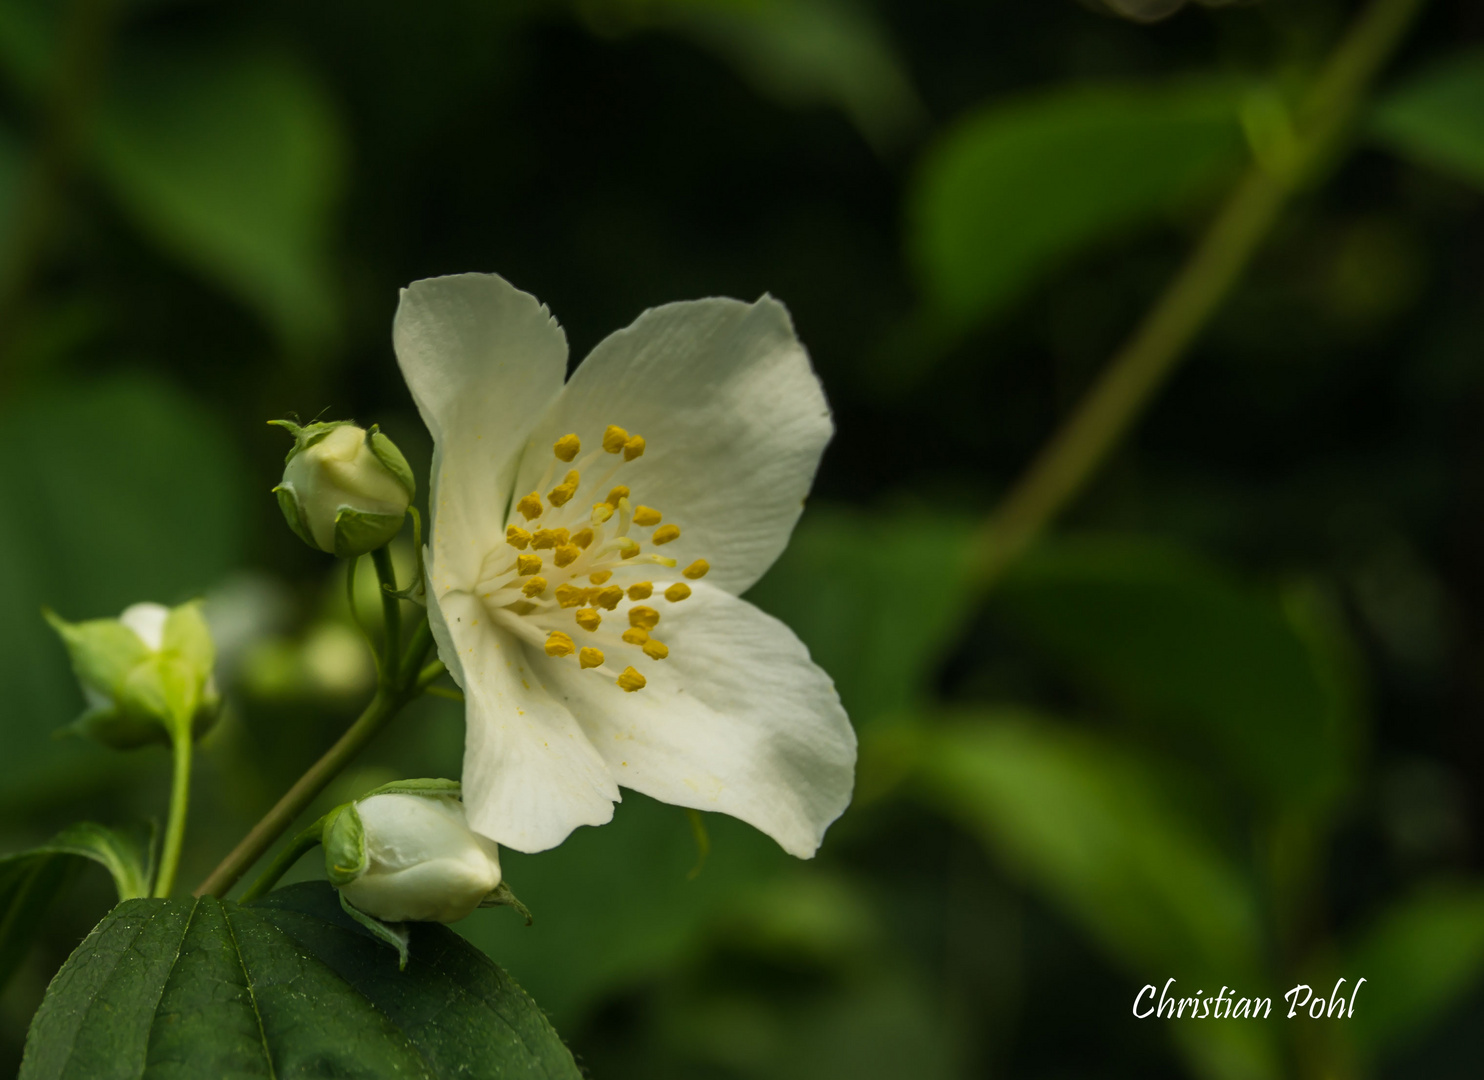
[422,862]
[589,542]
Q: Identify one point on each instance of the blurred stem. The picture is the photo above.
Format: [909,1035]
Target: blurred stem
[400,685]
[391,609]
[180,797]
[1107,411]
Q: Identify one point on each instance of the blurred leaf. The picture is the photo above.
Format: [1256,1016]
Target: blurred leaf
[1172,640]
[128,492]
[30,35]
[1013,190]
[851,585]
[1089,825]
[12,176]
[287,986]
[1437,117]
[231,160]
[31,880]
[1420,957]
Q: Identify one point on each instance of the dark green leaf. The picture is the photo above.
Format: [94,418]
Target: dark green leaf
[1013,190]
[287,986]
[1437,118]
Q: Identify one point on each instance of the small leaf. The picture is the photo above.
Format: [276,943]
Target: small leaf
[1437,117]
[289,985]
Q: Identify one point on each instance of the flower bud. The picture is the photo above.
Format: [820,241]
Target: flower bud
[146,675]
[403,857]
[345,490]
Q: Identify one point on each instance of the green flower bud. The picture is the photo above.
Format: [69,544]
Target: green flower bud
[345,489]
[146,675]
[401,856]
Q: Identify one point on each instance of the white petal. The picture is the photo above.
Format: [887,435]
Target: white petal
[531,775]
[733,417]
[483,360]
[738,720]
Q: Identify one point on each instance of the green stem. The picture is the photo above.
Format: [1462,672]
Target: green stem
[285,859]
[180,797]
[391,610]
[1140,368]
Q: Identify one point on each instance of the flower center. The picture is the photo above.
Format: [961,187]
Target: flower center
[574,575]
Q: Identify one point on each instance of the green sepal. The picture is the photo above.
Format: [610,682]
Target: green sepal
[344,840]
[116,729]
[433,789]
[307,435]
[288,502]
[397,935]
[503,897]
[103,651]
[357,532]
[387,453]
[188,637]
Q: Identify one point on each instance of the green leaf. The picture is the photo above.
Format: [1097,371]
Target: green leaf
[1420,957]
[1437,117]
[1014,190]
[1172,641]
[231,160]
[30,880]
[287,986]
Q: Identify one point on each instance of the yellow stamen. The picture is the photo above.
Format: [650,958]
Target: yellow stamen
[646,515]
[600,577]
[569,595]
[677,592]
[633,448]
[636,635]
[582,538]
[645,618]
[543,539]
[559,644]
[567,554]
[696,569]
[656,649]
[609,597]
[620,492]
[614,439]
[631,680]
[535,587]
[627,548]
[665,533]
[530,506]
[567,447]
[601,513]
[641,590]
[517,537]
[588,618]
[563,492]
[526,565]
[590,657]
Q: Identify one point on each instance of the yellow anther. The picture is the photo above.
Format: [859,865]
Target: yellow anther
[656,649]
[620,492]
[588,618]
[563,492]
[600,577]
[627,548]
[567,554]
[582,538]
[534,587]
[631,680]
[608,598]
[530,506]
[590,657]
[569,595]
[636,635]
[664,534]
[633,448]
[646,515]
[517,537]
[567,447]
[641,590]
[696,569]
[645,618]
[614,439]
[601,513]
[559,644]
[526,565]
[542,539]
[677,592]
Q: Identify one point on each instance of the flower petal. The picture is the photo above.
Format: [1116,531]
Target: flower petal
[483,360]
[531,775]
[738,720]
[733,418]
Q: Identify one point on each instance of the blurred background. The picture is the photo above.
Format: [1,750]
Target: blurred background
[1226,724]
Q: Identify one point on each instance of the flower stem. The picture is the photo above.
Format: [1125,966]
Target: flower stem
[284,860]
[180,797]
[1105,414]
[391,610]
